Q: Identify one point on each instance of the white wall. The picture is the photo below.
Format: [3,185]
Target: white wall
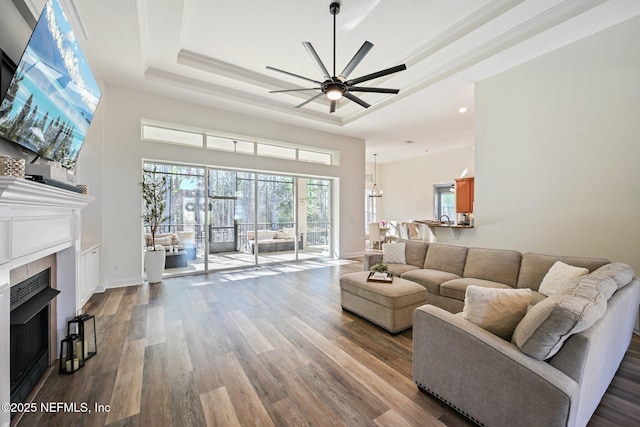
[115,151]
[408,184]
[557,151]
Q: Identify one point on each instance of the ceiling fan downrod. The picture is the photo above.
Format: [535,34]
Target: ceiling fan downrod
[334,9]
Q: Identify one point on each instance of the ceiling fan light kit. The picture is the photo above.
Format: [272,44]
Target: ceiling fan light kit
[337,87]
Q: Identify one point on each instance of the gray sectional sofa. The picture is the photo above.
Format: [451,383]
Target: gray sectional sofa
[496,382]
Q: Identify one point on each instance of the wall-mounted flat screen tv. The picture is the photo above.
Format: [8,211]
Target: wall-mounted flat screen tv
[53,95]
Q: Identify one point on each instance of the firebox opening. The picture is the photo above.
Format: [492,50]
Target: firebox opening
[29,333]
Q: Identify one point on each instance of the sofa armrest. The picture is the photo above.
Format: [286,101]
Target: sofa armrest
[370,260]
[485,377]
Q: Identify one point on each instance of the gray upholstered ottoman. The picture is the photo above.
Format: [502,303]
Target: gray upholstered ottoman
[389,305]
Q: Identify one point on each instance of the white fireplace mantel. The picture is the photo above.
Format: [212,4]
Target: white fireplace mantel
[37,220]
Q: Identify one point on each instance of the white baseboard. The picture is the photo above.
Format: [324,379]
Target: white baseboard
[120,284]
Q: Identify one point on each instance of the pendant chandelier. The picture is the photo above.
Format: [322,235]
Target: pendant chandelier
[375,192]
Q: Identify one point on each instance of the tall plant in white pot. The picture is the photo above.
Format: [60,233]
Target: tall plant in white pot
[154,193]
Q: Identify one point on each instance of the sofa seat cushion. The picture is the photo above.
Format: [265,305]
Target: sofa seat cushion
[535,266]
[449,258]
[547,325]
[458,287]
[430,279]
[399,269]
[536,297]
[496,265]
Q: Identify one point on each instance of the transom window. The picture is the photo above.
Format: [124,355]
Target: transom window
[211,141]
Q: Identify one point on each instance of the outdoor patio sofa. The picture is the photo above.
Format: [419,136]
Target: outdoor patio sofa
[274,240]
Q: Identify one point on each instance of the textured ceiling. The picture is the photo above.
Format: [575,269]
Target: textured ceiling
[214,53]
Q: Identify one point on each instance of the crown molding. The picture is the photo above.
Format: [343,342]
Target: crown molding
[154,74]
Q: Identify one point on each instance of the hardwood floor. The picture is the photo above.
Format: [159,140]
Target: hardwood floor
[264,347]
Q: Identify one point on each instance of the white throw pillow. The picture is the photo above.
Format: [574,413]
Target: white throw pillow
[496,310]
[393,253]
[559,277]
[164,241]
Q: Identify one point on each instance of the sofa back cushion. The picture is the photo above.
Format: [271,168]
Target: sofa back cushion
[414,252]
[262,235]
[449,258]
[621,273]
[496,265]
[535,266]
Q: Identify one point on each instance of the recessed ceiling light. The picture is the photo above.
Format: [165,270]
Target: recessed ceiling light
[462,110]
[409,142]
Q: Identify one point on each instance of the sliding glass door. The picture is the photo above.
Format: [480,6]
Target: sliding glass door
[276,227]
[315,216]
[221,219]
[182,234]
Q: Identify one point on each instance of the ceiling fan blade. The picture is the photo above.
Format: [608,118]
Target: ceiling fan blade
[356,99]
[359,56]
[294,90]
[376,75]
[332,108]
[317,60]
[308,100]
[373,89]
[294,75]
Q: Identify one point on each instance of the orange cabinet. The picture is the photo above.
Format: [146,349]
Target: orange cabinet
[464,195]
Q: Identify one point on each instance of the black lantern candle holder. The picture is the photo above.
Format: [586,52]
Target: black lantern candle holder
[71,354]
[84,326]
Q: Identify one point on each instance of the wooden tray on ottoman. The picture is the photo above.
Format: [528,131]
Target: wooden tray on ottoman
[380,277]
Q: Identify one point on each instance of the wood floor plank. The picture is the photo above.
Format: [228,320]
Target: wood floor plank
[391,418]
[127,303]
[143,294]
[186,409]
[199,298]
[125,399]
[113,302]
[285,413]
[246,403]
[155,407]
[218,409]
[155,325]
[178,359]
[251,333]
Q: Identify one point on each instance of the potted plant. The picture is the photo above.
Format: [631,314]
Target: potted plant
[380,268]
[154,192]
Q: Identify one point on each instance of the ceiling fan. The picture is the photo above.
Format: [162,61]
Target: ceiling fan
[337,87]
